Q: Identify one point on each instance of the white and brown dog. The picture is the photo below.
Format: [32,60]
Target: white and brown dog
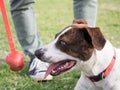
[87,48]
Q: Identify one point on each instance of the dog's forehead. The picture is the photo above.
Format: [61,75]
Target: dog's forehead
[63,31]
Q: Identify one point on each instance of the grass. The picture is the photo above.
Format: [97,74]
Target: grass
[51,17]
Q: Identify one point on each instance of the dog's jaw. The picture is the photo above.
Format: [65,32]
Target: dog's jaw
[60,67]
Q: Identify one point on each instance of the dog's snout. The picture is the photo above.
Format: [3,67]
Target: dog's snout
[39,53]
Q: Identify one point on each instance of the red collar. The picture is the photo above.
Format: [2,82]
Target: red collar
[105,73]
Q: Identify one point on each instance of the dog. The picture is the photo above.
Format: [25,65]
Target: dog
[85,47]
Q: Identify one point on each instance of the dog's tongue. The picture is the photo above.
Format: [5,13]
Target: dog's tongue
[59,67]
[50,68]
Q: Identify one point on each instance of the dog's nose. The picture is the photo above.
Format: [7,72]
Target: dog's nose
[39,53]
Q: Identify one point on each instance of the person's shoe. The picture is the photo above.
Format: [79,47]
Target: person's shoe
[37,70]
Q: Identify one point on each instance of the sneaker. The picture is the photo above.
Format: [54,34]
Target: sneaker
[37,70]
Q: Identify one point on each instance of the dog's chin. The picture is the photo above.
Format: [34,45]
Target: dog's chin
[60,67]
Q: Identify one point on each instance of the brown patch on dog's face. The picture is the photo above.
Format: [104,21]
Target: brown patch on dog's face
[79,43]
[76,43]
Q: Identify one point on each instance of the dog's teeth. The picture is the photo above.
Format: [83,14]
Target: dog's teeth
[66,64]
[53,71]
[60,67]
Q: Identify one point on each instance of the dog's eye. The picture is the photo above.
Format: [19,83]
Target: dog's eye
[62,42]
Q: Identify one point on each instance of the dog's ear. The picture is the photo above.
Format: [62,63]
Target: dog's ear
[97,37]
[95,34]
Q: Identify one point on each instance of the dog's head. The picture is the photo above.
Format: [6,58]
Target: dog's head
[72,44]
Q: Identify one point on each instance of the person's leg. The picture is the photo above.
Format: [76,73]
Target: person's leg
[26,30]
[25,25]
[85,9]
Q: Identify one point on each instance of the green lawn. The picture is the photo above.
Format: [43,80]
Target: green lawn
[51,17]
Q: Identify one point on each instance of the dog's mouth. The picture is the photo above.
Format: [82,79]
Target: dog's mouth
[60,67]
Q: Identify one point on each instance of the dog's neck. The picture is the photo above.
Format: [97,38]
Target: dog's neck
[98,61]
